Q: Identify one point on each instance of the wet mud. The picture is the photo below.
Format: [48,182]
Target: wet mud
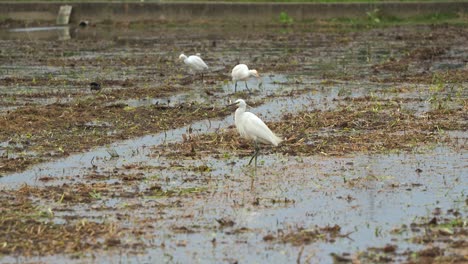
[111,150]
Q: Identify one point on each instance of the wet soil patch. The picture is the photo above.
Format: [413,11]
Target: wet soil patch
[58,130]
[28,229]
[303,236]
[365,126]
[442,239]
[380,139]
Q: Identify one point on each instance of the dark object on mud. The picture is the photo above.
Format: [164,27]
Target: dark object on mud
[389,248]
[94,86]
[223,222]
[433,221]
[431,252]
[112,242]
[340,259]
[83,23]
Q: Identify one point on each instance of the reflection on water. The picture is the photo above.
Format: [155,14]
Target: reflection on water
[61,32]
[385,192]
[35,29]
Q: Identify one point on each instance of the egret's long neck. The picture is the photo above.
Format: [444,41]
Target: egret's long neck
[239,112]
[252,73]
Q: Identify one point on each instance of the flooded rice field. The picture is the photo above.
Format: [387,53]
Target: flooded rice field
[111,150]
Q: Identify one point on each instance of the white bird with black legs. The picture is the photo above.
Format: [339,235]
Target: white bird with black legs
[195,63]
[242,73]
[253,128]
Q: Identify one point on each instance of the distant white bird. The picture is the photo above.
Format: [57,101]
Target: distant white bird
[195,63]
[251,127]
[242,73]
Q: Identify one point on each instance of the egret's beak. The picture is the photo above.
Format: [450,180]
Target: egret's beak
[230,105]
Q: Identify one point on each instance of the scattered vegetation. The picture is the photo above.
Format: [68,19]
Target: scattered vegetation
[364,126]
[51,113]
[444,236]
[285,19]
[27,230]
[41,129]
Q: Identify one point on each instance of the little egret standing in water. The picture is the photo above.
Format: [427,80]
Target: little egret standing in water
[251,127]
[242,73]
[195,63]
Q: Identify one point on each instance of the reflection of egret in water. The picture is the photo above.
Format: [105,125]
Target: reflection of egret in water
[371,192]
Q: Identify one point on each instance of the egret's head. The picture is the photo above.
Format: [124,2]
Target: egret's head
[239,103]
[182,57]
[254,73]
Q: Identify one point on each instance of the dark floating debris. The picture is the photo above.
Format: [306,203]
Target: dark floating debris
[433,221]
[224,222]
[94,86]
[83,23]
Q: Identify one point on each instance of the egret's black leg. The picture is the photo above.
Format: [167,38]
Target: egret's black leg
[254,156]
[257,150]
[235,87]
[202,77]
[247,87]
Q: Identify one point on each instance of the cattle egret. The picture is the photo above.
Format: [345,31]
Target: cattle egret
[251,127]
[195,63]
[242,73]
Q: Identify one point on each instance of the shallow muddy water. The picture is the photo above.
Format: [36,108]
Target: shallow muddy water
[170,204]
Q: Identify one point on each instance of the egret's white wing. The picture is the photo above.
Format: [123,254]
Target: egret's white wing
[196,63]
[240,72]
[254,128]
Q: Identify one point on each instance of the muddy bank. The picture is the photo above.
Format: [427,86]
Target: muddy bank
[252,12]
[150,165]
[47,91]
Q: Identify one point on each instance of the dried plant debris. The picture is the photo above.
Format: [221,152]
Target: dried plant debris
[77,218]
[29,230]
[58,130]
[443,237]
[369,127]
[304,236]
[81,119]
[382,90]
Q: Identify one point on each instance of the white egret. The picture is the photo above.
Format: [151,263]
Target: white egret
[195,63]
[242,73]
[251,127]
